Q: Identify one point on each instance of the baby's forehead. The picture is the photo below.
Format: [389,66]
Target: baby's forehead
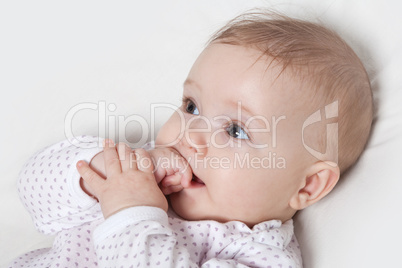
[234,73]
[243,62]
[252,59]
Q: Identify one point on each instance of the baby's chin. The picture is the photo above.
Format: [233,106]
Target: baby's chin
[177,207]
[186,212]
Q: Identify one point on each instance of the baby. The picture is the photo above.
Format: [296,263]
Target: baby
[245,152]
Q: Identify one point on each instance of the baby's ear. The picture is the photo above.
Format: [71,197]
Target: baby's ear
[317,183]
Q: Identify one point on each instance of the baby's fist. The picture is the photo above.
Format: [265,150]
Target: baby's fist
[172,171]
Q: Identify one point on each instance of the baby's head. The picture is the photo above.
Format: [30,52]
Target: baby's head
[274,110]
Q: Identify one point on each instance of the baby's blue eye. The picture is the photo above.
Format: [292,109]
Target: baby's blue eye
[191,108]
[237,132]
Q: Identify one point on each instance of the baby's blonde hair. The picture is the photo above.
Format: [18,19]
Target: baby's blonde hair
[334,72]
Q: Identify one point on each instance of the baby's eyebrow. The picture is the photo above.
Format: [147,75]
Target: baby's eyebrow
[237,104]
[191,82]
[245,113]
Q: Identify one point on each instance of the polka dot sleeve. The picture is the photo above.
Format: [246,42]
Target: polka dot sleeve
[139,237]
[49,186]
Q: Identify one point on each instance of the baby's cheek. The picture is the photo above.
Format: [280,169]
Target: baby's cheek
[170,131]
[220,139]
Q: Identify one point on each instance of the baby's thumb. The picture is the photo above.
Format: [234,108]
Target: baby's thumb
[144,161]
[177,180]
[91,178]
[186,176]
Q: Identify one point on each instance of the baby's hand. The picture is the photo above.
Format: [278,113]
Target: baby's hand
[172,171]
[129,180]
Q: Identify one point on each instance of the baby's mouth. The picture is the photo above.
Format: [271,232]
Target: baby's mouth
[197,180]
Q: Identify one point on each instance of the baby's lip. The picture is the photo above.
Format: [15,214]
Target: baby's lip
[197,180]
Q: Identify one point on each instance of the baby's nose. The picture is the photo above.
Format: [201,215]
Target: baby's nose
[194,143]
[196,135]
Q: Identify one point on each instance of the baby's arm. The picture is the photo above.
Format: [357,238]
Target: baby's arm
[136,231]
[49,186]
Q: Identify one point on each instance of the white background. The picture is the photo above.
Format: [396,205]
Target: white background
[55,55]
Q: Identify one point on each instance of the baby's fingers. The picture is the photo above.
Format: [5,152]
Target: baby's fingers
[112,161]
[186,175]
[144,161]
[171,184]
[93,180]
[171,189]
[125,156]
[171,180]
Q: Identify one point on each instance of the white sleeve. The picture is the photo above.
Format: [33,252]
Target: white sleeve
[49,186]
[140,237]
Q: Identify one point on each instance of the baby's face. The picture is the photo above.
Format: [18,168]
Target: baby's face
[238,131]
